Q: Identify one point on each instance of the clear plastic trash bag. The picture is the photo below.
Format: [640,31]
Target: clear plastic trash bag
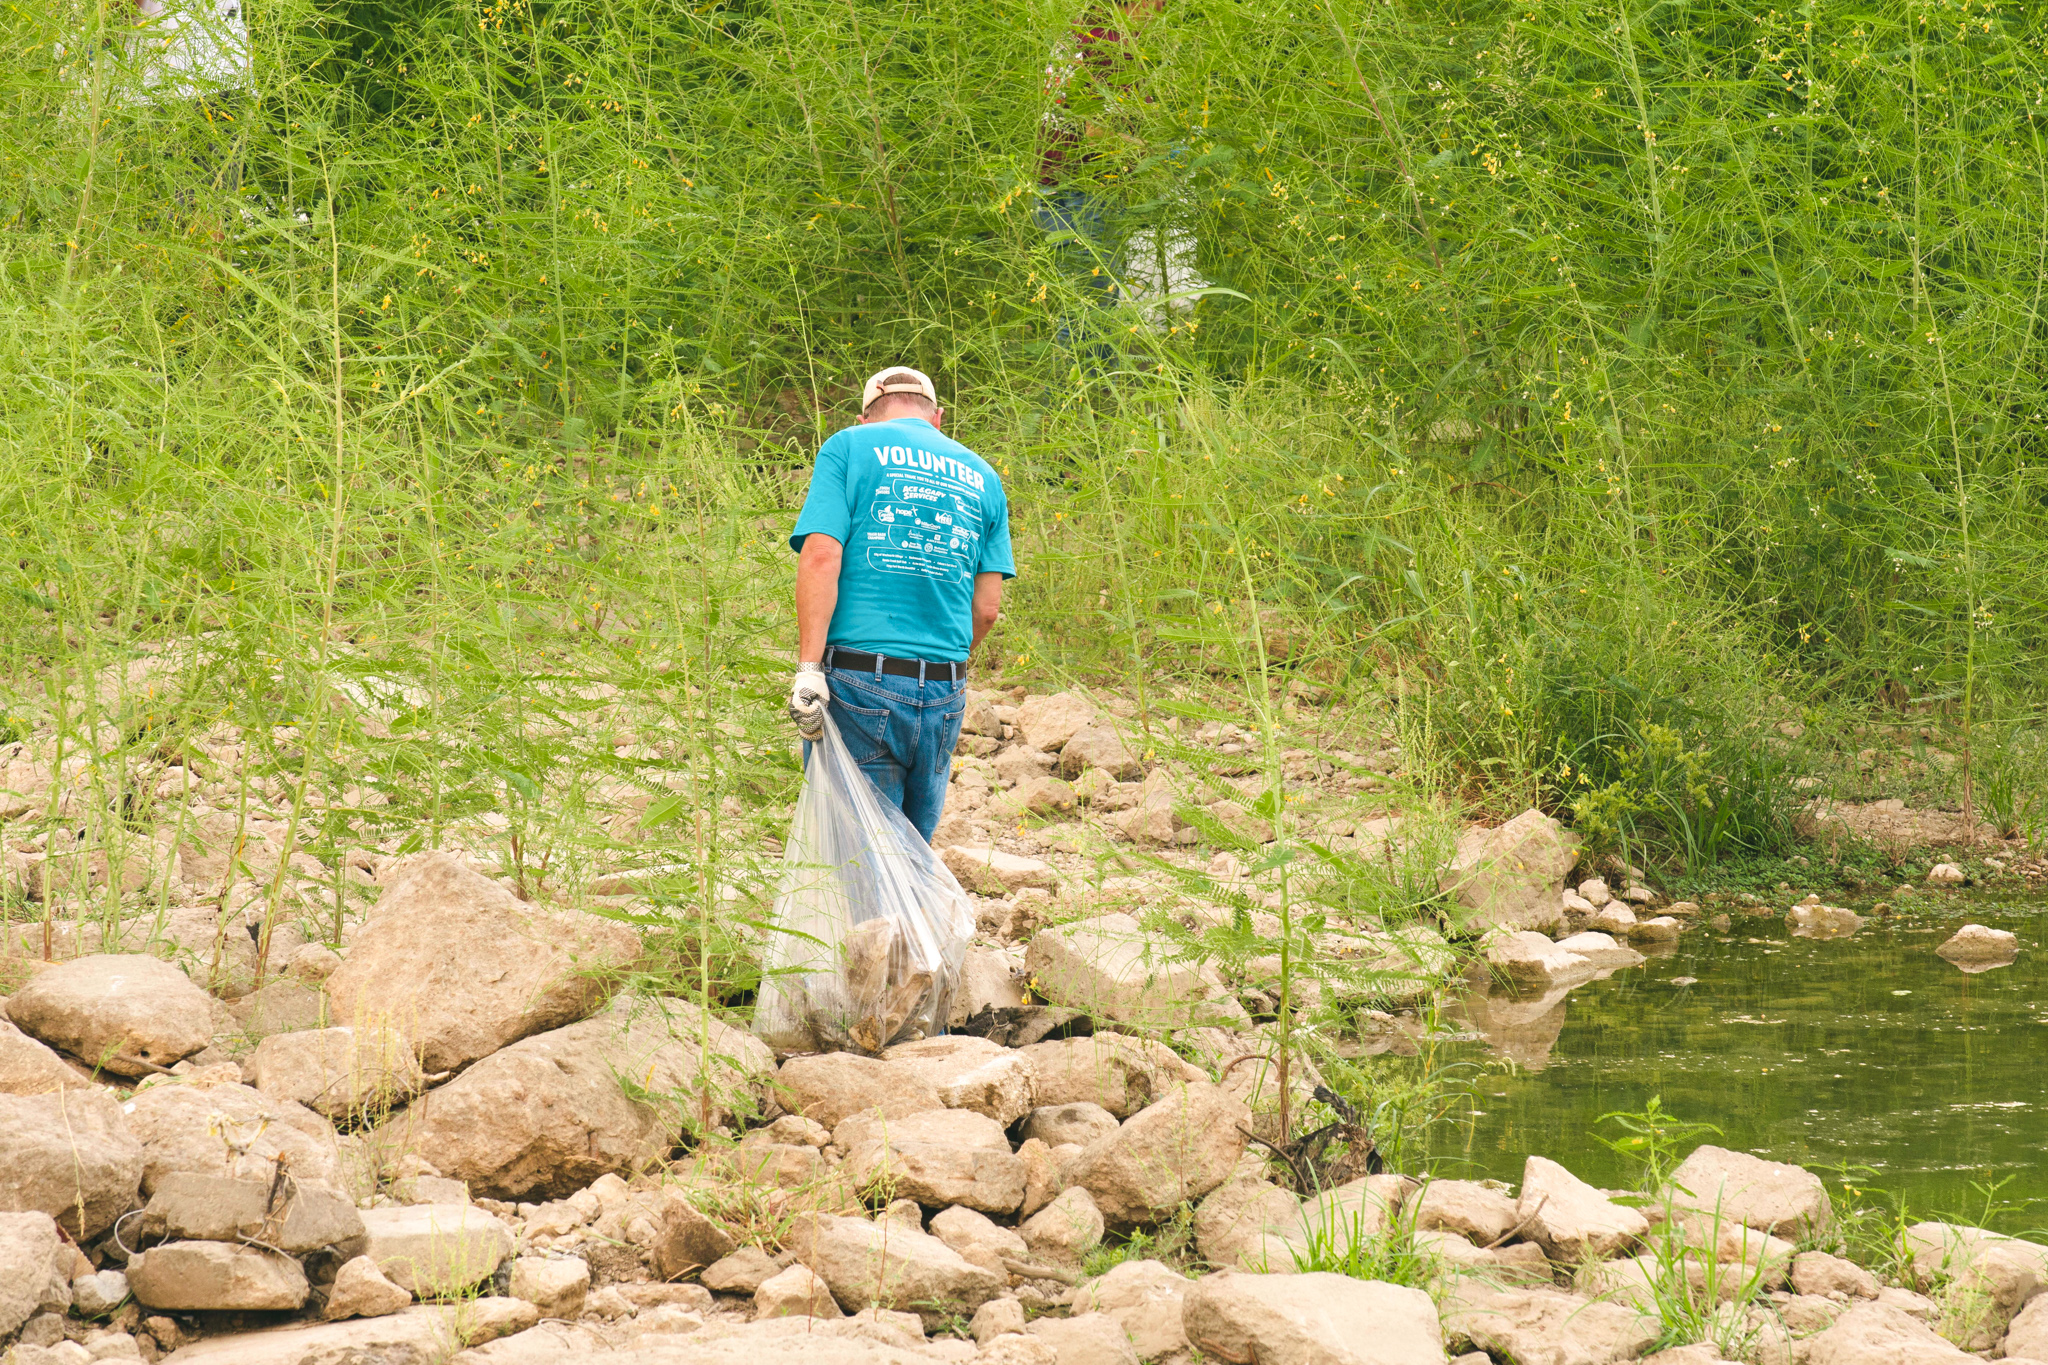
[870,927]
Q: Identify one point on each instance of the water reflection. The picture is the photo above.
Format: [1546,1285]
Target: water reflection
[1865,1050]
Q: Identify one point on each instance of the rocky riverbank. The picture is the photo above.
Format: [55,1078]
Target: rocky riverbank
[477,1123]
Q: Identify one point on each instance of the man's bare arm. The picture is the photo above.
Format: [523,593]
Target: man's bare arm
[988,605]
[817,594]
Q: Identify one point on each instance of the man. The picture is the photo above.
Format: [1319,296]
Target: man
[903,545]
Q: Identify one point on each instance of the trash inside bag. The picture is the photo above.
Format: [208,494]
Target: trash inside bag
[870,928]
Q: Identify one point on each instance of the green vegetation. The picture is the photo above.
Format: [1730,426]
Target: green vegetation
[1589,399]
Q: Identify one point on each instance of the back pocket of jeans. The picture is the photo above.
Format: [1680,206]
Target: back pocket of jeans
[865,730]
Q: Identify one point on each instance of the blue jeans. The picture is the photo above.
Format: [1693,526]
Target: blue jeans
[1084,242]
[901,732]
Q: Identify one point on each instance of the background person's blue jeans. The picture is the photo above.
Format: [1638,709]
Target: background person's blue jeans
[1085,244]
[901,732]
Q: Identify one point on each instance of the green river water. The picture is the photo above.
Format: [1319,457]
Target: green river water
[1869,1051]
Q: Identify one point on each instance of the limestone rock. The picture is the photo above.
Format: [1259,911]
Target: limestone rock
[121,1012]
[1177,1149]
[361,1290]
[992,872]
[27,1067]
[69,1154]
[1085,1339]
[1112,968]
[883,1264]
[1973,943]
[1601,951]
[1366,1206]
[229,1130]
[1545,1325]
[969,1073]
[193,1276]
[1871,1332]
[188,1206]
[1466,1207]
[940,1157]
[1120,1073]
[338,1071]
[1146,1298]
[1657,929]
[1099,748]
[1946,874]
[416,1336]
[1043,796]
[997,1317]
[1080,1123]
[1509,878]
[988,980]
[1570,1219]
[29,1248]
[794,1292]
[1064,1231]
[99,1294]
[1816,1272]
[548,1115]
[742,1272]
[2028,1334]
[462,967]
[831,1087]
[1243,1223]
[687,1239]
[433,1250]
[1771,1196]
[1047,724]
[979,1238]
[1822,921]
[1528,958]
[1317,1319]
[1018,1349]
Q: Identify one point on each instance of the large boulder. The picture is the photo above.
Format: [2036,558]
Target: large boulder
[1770,1196]
[29,1250]
[229,1130]
[1510,877]
[436,1249]
[1099,747]
[68,1154]
[1047,724]
[1120,1073]
[940,1157]
[1064,1231]
[365,1070]
[834,1086]
[128,1014]
[992,872]
[1084,1339]
[2027,1338]
[1318,1319]
[549,1114]
[27,1067]
[1172,1151]
[420,1335]
[1974,944]
[1112,968]
[885,1264]
[1871,1332]
[969,1073]
[1079,1123]
[1571,1220]
[205,1276]
[1544,1325]
[1147,1298]
[288,1216]
[463,967]
[1245,1223]
[1465,1207]
[1531,960]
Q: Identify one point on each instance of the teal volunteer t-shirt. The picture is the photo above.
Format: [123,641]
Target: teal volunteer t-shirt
[920,515]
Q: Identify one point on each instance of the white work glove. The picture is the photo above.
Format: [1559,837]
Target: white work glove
[807,697]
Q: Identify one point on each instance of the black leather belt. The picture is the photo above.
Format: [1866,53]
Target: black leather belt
[855,661]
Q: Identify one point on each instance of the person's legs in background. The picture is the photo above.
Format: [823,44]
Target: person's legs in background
[1084,244]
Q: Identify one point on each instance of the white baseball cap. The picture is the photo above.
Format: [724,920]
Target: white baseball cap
[897,379]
